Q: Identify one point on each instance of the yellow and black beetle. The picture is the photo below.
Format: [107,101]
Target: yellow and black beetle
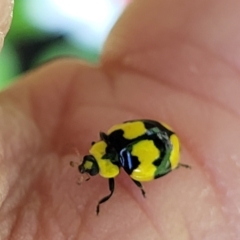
[145,149]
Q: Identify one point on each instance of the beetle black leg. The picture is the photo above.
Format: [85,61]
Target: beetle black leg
[103,137]
[184,165]
[111,188]
[140,186]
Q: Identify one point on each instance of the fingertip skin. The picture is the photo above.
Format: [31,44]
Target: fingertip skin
[6,8]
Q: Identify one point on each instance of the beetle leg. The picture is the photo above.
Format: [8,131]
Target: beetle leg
[140,186]
[103,137]
[184,165]
[111,188]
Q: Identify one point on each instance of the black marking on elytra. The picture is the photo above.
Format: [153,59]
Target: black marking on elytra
[159,144]
[151,124]
[134,164]
[157,162]
[117,140]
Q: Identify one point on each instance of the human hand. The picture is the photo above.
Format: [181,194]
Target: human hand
[171,61]
[5,18]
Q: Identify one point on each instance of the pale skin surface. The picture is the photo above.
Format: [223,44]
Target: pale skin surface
[173,61]
[5,18]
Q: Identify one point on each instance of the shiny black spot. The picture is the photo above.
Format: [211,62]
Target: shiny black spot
[133,165]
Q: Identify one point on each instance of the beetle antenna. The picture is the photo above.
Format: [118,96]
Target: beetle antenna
[88,177]
[82,179]
[74,163]
[77,152]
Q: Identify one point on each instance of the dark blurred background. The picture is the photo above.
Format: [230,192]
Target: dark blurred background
[46,29]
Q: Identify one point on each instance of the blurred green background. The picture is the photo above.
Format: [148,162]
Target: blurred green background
[48,29]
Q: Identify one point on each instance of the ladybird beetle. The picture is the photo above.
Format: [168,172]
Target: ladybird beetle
[145,149]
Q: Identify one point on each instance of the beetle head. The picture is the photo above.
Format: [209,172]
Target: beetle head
[89,165]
